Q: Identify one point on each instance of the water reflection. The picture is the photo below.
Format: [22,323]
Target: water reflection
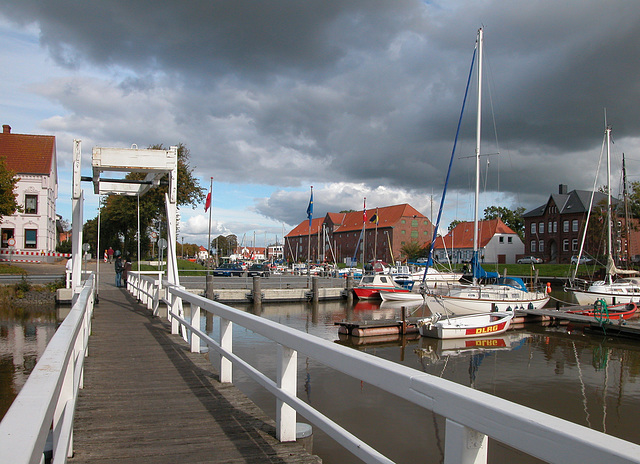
[24,334]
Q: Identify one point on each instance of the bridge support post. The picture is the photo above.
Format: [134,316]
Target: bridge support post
[464,445]
[287,381]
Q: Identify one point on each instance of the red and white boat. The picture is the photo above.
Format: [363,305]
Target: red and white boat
[602,311]
[472,326]
[371,285]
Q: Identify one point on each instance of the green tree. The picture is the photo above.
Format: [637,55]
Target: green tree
[412,250]
[634,199]
[512,218]
[119,214]
[453,224]
[8,199]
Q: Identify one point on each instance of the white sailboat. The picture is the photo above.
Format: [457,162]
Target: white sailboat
[506,293]
[622,289]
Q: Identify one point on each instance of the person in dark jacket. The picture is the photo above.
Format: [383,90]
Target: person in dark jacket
[119,268]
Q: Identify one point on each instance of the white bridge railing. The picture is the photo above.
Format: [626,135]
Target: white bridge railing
[44,408]
[471,416]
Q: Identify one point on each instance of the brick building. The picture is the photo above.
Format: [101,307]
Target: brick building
[387,230]
[554,230]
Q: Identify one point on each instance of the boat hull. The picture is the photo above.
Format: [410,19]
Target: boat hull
[471,301]
[472,326]
[370,293]
[611,296]
[614,312]
[400,296]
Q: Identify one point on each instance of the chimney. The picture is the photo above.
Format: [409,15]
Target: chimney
[562,189]
[6,129]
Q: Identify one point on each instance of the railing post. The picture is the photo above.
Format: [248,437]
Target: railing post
[195,322]
[464,445]
[287,369]
[175,324]
[226,343]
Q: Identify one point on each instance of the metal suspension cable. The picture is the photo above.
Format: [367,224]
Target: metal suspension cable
[446,183]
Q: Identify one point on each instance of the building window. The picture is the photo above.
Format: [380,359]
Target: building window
[426,223]
[574,244]
[541,246]
[541,228]
[6,235]
[533,228]
[509,239]
[565,244]
[403,221]
[414,223]
[565,226]
[31,204]
[555,227]
[533,246]
[549,227]
[403,232]
[414,234]
[501,240]
[574,225]
[30,238]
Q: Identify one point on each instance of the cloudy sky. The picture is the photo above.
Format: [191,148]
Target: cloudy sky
[357,98]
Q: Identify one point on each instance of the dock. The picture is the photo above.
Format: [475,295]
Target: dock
[147,398]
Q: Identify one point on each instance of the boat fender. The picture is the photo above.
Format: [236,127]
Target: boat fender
[548,287]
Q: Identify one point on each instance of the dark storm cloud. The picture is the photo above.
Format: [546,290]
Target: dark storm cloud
[289,92]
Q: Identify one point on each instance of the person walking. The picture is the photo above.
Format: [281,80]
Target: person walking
[118,267]
[110,254]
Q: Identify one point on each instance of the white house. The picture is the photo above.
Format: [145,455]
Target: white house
[203,254]
[33,159]
[497,243]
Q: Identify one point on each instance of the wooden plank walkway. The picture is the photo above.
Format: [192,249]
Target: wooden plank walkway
[146,398]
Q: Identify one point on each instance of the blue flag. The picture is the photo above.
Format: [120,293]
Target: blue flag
[310,209]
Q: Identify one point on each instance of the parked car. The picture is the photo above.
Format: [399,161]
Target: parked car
[228,270]
[583,260]
[260,270]
[529,260]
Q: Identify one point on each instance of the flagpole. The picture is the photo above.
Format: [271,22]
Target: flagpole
[208,205]
[310,217]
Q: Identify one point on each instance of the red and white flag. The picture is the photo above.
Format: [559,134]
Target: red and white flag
[364,210]
[207,203]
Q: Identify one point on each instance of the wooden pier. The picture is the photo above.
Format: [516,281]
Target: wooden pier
[146,398]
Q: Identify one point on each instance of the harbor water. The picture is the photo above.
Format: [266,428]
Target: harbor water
[592,380]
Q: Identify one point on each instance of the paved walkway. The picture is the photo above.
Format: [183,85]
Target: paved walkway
[146,398]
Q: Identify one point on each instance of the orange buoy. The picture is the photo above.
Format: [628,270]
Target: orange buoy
[548,287]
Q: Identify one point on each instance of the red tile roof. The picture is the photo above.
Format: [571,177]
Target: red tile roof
[345,222]
[27,154]
[462,234]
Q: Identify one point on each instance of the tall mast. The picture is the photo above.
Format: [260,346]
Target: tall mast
[626,211]
[478,132]
[609,246]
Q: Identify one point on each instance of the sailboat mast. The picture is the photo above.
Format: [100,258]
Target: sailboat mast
[478,133]
[609,231]
[626,211]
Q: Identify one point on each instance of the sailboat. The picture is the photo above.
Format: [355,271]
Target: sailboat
[502,294]
[621,290]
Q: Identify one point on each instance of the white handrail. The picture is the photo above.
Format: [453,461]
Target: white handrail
[471,415]
[47,400]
